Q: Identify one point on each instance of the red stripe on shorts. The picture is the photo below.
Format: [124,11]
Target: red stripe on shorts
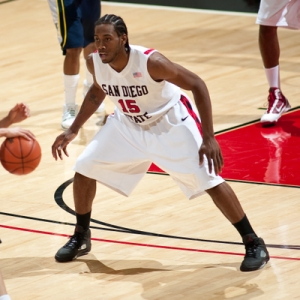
[189,108]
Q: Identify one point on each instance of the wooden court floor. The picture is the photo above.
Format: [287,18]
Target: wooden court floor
[155,244]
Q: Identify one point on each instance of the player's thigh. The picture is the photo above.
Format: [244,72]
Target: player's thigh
[111,147]
[113,159]
[177,152]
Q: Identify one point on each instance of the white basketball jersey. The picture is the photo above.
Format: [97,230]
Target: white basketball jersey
[133,91]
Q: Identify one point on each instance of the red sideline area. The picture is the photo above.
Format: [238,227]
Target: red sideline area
[257,154]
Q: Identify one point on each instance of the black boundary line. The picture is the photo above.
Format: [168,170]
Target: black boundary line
[251,122]
[264,183]
[3,2]
[58,196]
[256,182]
[244,181]
[59,200]
[109,227]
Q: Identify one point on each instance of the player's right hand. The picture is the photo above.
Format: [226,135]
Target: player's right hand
[61,142]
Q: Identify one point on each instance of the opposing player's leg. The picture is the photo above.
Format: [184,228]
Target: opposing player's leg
[91,11]
[271,15]
[66,17]
[270,52]
[70,78]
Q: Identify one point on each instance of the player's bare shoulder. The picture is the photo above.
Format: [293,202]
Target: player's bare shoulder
[159,66]
[156,59]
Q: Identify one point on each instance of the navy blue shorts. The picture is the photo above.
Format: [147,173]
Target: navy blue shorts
[76,22]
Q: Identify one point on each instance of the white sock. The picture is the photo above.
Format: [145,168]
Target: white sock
[5,297]
[70,85]
[273,76]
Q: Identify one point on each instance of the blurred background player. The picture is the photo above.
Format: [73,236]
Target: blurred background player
[74,21]
[271,15]
[17,114]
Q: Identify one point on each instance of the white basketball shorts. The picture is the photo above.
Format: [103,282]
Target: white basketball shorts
[279,13]
[121,152]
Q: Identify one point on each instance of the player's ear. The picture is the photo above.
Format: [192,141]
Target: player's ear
[124,39]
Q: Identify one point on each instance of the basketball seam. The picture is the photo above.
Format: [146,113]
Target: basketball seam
[21,167]
[27,161]
[9,150]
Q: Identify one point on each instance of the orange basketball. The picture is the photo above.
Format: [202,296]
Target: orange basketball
[20,156]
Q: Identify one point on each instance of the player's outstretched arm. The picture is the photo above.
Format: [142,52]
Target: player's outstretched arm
[161,68]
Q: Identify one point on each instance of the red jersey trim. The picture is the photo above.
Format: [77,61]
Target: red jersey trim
[149,51]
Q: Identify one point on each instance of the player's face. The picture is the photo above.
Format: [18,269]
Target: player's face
[109,45]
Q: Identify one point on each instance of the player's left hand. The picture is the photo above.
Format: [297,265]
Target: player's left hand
[61,142]
[211,149]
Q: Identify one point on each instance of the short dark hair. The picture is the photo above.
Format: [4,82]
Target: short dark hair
[118,23]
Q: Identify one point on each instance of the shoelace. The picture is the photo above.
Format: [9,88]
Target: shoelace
[271,101]
[251,249]
[70,112]
[72,243]
[273,96]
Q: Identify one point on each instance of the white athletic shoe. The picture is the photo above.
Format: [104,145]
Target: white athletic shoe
[69,115]
[278,105]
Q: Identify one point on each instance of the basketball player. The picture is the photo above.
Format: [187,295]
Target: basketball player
[154,121]
[17,114]
[74,21]
[271,15]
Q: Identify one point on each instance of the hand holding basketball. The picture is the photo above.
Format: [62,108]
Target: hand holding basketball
[15,132]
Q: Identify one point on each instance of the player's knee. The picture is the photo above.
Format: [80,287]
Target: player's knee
[73,53]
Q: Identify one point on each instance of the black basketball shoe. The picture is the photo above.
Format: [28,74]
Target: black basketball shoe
[78,245]
[256,255]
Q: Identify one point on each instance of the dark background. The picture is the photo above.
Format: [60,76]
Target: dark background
[224,5]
